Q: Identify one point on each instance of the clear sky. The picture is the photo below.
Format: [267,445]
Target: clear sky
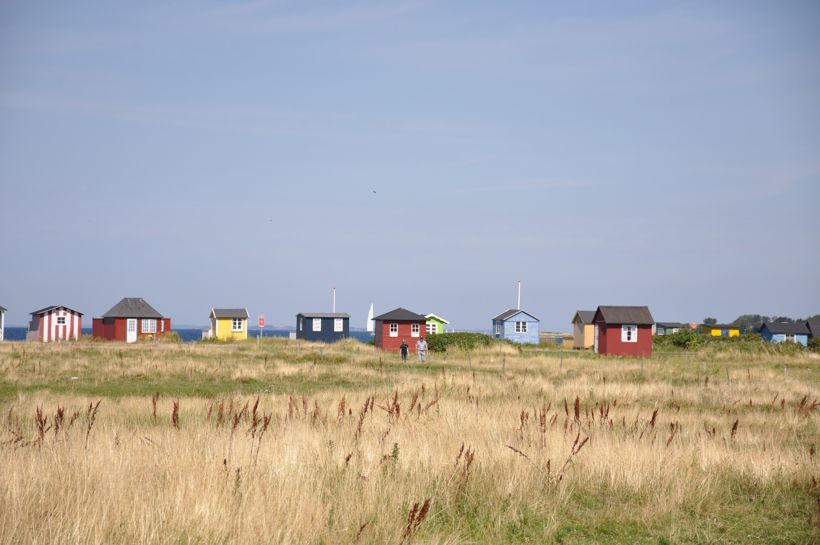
[418,154]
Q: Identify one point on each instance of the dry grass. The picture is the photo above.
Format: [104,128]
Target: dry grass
[287,444]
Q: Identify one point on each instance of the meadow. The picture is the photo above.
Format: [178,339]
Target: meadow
[300,443]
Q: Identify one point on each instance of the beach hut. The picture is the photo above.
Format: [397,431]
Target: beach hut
[517,325]
[720,330]
[623,331]
[228,324]
[397,325]
[670,328]
[785,332]
[325,327]
[129,320]
[2,322]
[55,323]
[583,330]
[814,328]
[435,324]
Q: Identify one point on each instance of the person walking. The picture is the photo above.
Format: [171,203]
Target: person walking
[403,348]
[421,350]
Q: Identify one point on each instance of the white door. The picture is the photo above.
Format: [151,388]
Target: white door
[131,330]
[596,338]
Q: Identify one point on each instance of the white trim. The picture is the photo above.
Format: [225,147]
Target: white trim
[338,325]
[417,328]
[390,328]
[521,326]
[241,328]
[148,325]
[131,333]
[629,333]
[439,318]
[317,324]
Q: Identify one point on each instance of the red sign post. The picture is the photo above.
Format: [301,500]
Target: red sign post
[261,326]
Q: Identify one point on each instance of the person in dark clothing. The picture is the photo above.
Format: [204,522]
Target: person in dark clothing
[404,349]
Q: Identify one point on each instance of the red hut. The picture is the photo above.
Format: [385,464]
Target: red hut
[623,331]
[130,319]
[397,325]
[55,323]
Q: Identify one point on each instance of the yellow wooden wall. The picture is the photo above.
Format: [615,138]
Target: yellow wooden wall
[222,330]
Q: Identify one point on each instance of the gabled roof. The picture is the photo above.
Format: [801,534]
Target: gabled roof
[507,314]
[671,324]
[400,314]
[229,313]
[625,315]
[439,318]
[132,307]
[814,327]
[3,309]
[324,314]
[585,316]
[786,328]
[54,307]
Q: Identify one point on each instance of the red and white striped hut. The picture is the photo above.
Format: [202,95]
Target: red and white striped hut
[56,323]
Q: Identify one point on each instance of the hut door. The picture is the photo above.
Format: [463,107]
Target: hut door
[596,338]
[131,330]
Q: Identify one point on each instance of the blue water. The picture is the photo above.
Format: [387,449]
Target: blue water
[189,335]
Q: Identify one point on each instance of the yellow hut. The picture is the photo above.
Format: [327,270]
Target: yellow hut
[583,331]
[721,330]
[229,324]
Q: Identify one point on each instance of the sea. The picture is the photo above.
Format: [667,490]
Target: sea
[190,335]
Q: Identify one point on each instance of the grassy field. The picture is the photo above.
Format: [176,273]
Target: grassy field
[297,443]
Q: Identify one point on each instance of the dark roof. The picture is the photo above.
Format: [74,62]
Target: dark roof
[400,314]
[814,327]
[586,316]
[507,314]
[3,309]
[132,307]
[720,326]
[229,313]
[671,324]
[54,307]
[625,315]
[324,314]
[786,328]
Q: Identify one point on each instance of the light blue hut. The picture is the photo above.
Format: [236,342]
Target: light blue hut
[783,332]
[517,325]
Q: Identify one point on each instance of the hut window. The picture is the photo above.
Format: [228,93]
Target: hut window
[300,324]
[60,320]
[394,330]
[149,326]
[432,329]
[317,324]
[338,325]
[520,327]
[789,338]
[236,324]
[415,329]
[498,328]
[629,333]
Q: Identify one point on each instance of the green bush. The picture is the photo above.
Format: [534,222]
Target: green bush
[749,343]
[464,341]
[814,344]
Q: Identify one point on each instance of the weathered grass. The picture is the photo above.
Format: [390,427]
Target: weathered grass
[278,446]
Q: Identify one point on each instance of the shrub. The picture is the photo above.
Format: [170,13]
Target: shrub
[464,341]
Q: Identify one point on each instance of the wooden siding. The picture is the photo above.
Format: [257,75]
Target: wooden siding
[304,329]
[113,329]
[583,335]
[392,344]
[609,340]
[222,329]
[43,327]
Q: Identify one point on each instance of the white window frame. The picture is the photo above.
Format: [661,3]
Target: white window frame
[393,327]
[789,337]
[520,327]
[415,330]
[131,325]
[301,324]
[499,328]
[60,320]
[148,326]
[236,325]
[338,325]
[432,329]
[629,333]
[317,324]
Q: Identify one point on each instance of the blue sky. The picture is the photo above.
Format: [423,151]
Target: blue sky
[203,154]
